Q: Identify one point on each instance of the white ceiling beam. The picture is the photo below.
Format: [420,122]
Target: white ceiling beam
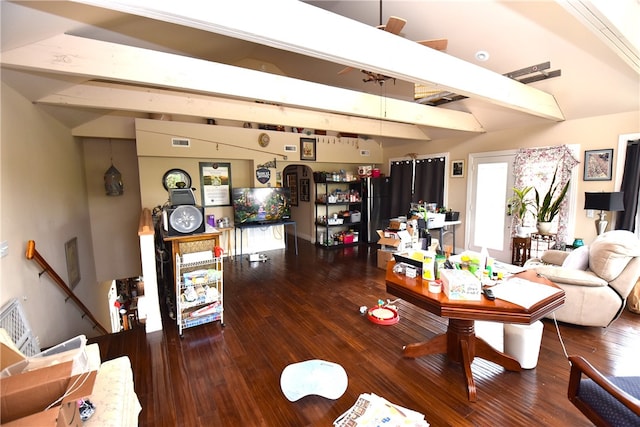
[110,96]
[93,59]
[321,34]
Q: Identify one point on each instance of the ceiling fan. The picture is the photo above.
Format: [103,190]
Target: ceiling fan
[395,25]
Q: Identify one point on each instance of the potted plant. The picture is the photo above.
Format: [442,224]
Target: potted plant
[548,207]
[520,206]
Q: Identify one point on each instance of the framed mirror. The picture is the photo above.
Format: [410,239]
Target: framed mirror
[172,177]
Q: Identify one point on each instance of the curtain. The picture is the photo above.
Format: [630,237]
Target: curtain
[429,181]
[415,180]
[401,187]
[536,166]
[626,219]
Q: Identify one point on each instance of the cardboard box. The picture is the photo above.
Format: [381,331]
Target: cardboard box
[9,355]
[460,285]
[32,392]
[435,220]
[383,258]
[394,240]
[70,350]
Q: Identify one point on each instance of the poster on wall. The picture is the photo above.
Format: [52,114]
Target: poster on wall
[215,180]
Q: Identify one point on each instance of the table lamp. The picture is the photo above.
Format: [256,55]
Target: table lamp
[604,202]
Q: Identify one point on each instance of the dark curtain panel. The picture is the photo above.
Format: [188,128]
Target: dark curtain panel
[401,186]
[429,182]
[626,219]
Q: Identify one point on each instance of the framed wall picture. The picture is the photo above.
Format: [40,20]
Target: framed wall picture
[292,184]
[304,189]
[457,169]
[215,180]
[598,165]
[73,262]
[308,149]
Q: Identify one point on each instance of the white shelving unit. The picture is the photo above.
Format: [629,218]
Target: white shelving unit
[199,292]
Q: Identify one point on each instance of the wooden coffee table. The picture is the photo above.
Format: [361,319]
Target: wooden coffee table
[460,342]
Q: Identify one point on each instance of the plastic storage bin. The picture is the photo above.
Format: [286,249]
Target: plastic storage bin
[522,342]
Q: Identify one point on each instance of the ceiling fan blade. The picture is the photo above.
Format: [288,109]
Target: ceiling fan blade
[437,44]
[394,25]
[345,70]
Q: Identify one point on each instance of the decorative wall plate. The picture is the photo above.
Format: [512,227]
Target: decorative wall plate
[263,139]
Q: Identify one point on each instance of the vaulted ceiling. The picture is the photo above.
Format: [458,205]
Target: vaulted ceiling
[82,60]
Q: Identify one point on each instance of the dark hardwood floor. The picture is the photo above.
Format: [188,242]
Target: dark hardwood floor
[294,308]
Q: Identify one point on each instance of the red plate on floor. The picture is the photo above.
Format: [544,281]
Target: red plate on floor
[383,315]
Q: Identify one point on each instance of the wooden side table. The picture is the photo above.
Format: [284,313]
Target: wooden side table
[521,250]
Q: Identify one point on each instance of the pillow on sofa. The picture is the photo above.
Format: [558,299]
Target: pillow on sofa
[578,259]
[610,253]
[560,275]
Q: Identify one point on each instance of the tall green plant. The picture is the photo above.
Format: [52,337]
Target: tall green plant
[520,205]
[548,208]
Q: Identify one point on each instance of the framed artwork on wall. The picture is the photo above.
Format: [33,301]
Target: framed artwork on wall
[308,149]
[457,169]
[292,183]
[73,262]
[598,164]
[215,180]
[304,189]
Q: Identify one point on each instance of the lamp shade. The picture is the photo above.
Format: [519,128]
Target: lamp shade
[604,201]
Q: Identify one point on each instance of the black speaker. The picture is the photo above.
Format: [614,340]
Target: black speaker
[184,220]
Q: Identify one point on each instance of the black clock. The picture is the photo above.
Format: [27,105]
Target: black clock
[176,178]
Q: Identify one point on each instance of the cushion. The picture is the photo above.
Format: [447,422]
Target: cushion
[610,253]
[571,277]
[554,256]
[578,259]
[317,377]
[614,412]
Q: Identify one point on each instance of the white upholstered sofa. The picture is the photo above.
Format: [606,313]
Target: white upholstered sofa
[596,278]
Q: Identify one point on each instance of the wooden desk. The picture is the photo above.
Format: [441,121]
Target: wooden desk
[460,342]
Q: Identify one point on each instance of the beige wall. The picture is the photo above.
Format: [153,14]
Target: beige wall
[44,198]
[590,133]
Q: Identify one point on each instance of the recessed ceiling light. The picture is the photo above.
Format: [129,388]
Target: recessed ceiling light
[482,55]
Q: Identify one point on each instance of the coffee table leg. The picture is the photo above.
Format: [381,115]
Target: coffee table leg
[436,345]
[485,351]
[467,358]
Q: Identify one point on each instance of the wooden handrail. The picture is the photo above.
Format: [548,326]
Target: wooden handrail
[33,254]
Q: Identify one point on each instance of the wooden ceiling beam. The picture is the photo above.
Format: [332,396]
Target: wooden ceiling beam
[93,59]
[331,37]
[110,96]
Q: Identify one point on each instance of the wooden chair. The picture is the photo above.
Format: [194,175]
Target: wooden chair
[606,401]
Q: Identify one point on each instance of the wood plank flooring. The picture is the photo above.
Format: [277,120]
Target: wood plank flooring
[294,308]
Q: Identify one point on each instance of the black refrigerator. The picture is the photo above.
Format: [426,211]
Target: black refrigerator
[376,193]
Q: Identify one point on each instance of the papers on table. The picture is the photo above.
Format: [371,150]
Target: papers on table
[506,268]
[522,292]
[372,411]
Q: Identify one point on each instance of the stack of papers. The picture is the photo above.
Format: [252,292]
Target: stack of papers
[372,411]
[522,292]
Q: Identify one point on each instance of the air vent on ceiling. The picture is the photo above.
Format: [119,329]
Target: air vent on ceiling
[180,142]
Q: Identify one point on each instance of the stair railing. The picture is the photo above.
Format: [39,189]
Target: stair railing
[33,254]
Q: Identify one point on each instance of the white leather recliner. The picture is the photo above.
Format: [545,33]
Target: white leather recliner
[597,278]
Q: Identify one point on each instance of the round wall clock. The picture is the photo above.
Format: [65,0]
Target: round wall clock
[172,177]
[263,139]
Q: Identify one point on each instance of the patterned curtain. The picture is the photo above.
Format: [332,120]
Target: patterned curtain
[535,167]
